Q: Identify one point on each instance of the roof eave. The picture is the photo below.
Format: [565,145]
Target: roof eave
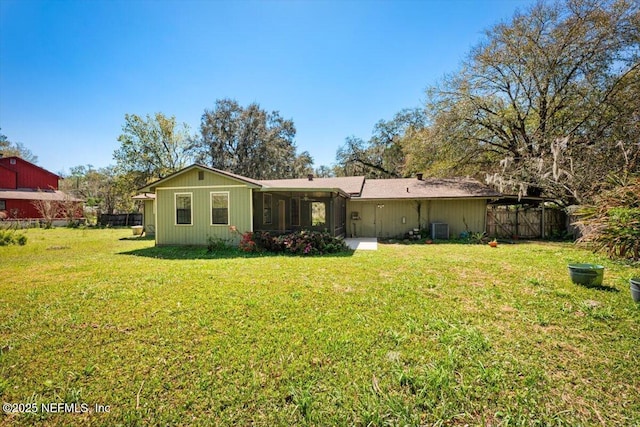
[391,198]
[307,190]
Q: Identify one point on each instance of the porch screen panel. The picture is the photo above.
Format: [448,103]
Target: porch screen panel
[266,209]
[318,213]
[220,208]
[295,211]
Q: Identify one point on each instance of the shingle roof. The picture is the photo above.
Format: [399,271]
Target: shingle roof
[349,184]
[36,195]
[429,188]
[360,189]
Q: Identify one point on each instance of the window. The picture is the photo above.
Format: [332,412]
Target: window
[200,175]
[3,205]
[183,208]
[318,213]
[220,208]
[266,209]
[295,211]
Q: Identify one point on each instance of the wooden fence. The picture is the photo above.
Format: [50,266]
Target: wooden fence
[525,222]
[120,220]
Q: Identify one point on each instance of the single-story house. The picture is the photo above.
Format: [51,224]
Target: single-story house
[199,202]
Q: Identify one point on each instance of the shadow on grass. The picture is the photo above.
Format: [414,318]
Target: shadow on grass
[601,288]
[198,252]
[135,238]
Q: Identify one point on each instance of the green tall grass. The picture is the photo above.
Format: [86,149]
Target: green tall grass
[444,334]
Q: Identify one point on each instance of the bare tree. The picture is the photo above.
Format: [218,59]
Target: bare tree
[47,209]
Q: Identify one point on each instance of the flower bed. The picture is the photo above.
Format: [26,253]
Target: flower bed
[296,243]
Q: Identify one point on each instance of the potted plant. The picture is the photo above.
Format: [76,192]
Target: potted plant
[586,274]
[635,288]
[493,243]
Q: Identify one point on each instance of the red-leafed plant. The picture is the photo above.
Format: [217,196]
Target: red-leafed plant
[247,244]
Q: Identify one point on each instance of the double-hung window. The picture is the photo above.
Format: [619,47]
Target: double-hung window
[220,208]
[183,208]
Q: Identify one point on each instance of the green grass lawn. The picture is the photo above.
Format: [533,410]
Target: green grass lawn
[445,334]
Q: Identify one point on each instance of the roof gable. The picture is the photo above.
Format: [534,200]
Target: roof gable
[164,182]
[6,162]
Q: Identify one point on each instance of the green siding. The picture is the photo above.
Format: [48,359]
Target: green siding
[387,221]
[168,233]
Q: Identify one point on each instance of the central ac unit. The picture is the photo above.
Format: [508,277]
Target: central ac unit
[439,230]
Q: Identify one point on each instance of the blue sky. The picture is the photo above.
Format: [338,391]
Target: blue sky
[71,70]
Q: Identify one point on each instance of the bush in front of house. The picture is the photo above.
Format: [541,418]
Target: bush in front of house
[296,243]
[217,244]
[247,244]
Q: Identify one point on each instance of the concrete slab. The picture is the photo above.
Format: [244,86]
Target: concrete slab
[362,243]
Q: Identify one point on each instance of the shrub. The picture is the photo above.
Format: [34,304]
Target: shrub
[299,243]
[217,244]
[21,239]
[10,237]
[247,244]
[612,224]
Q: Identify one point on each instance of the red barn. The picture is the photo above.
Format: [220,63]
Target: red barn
[23,185]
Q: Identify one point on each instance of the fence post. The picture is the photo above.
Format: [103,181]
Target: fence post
[542,224]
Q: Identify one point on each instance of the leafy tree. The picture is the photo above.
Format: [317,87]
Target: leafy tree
[383,155]
[545,102]
[302,165]
[105,189]
[8,148]
[250,141]
[152,147]
[323,171]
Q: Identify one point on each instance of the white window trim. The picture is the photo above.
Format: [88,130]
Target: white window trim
[211,208]
[175,209]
